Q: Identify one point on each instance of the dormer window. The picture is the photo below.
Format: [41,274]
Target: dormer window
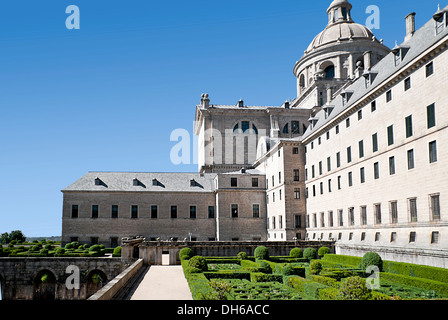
[98,182]
[328,109]
[440,20]
[346,95]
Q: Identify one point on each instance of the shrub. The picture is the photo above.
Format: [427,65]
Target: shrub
[49,247]
[338,260]
[323,251]
[261,253]
[371,259]
[288,270]
[265,267]
[198,262]
[328,294]
[69,246]
[43,251]
[95,248]
[311,289]
[242,256]
[310,253]
[354,288]
[315,267]
[186,254]
[262,277]
[296,253]
[117,252]
[59,250]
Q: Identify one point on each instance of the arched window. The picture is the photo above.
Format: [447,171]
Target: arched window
[295,127]
[302,81]
[329,72]
[245,126]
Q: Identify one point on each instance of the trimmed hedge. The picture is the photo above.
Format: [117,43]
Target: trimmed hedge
[228,275]
[342,260]
[199,286]
[328,294]
[311,289]
[414,270]
[437,286]
[324,280]
[263,277]
[297,283]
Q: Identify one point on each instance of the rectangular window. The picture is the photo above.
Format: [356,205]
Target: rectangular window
[392,165]
[297,221]
[256,211]
[359,115]
[431,115]
[328,164]
[390,135]
[433,152]
[375,142]
[373,106]
[349,154]
[234,211]
[314,220]
[337,129]
[314,190]
[173,212]
[320,167]
[280,194]
[330,218]
[321,188]
[363,215]
[313,173]
[75,211]
[154,212]
[377,236]
[296,175]
[435,207]
[393,211]
[362,175]
[233,182]
[393,236]
[347,123]
[114,213]
[322,219]
[389,96]
[413,209]
[435,237]
[94,211]
[329,185]
[211,212]
[279,177]
[407,84]
[412,236]
[377,208]
[341,217]
[361,148]
[409,129]
[339,182]
[350,179]
[411,164]
[351,216]
[429,69]
[134,212]
[376,170]
[296,193]
[295,150]
[338,159]
[255,182]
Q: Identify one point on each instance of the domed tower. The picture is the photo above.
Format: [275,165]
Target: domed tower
[335,56]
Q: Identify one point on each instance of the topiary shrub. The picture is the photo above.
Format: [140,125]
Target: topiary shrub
[371,259]
[198,262]
[315,267]
[265,267]
[310,253]
[354,288]
[261,253]
[95,248]
[69,246]
[59,251]
[117,252]
[242,256]
[296,253]
[186,254]
[288,270]
[323,251]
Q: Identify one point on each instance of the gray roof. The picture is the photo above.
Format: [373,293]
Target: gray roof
[422,39]
[124,182]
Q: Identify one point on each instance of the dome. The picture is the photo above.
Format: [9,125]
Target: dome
[340,31]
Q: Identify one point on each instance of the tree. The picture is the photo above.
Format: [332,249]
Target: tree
[4,238]
[354,288]
[17,235]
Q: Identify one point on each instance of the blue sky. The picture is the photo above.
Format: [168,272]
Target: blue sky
[107,97]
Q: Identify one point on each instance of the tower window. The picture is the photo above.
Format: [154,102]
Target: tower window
[329,72]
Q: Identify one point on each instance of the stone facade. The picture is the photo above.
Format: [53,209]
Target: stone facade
[357,158]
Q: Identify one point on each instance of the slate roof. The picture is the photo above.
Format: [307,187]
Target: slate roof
[124,182]
[422,39]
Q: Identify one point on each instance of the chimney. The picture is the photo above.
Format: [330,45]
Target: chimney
[205,101]
[410,26]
